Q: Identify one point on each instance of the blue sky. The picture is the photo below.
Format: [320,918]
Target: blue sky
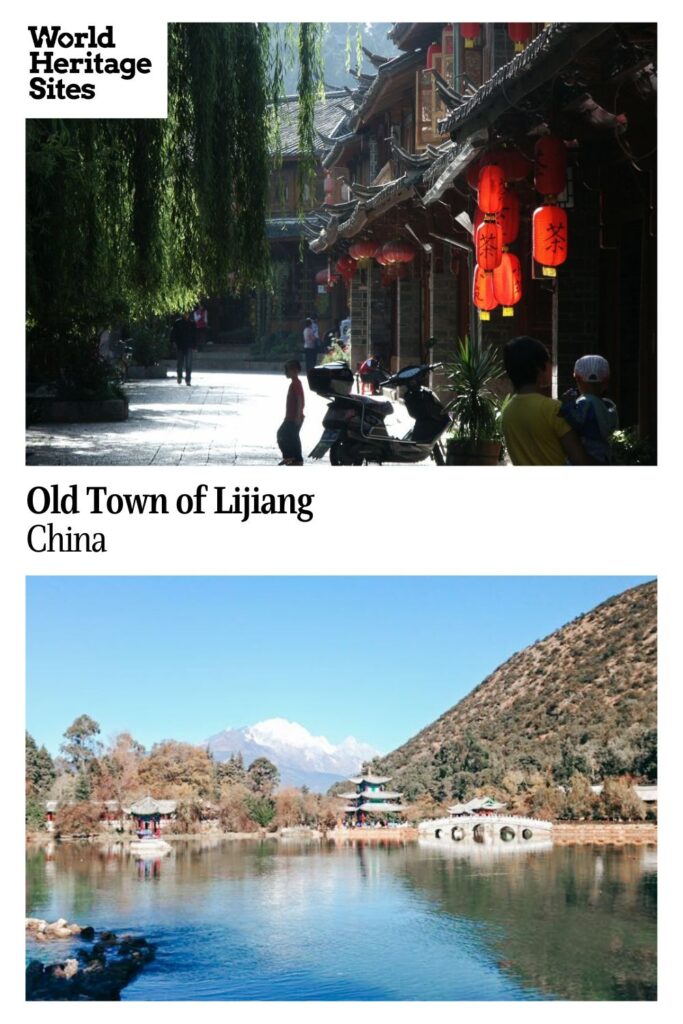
[373,657]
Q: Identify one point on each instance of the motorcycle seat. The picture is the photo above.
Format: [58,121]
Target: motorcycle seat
[380,406]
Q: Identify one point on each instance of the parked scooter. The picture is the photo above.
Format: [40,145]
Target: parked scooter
[354,429]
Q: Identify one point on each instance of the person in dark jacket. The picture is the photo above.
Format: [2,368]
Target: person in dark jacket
[184,337]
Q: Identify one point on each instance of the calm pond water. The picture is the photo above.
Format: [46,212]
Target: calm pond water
[268,920]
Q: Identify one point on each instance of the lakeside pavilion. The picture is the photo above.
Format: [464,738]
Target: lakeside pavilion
[150,814]
[370,800]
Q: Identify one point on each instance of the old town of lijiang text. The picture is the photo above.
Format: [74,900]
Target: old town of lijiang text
[45,64]
[243,502]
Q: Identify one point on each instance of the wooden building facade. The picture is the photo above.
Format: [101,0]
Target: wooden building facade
[408,151]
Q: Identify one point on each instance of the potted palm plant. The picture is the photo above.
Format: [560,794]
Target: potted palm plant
[475,439]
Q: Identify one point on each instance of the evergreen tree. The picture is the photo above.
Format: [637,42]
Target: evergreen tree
[231,771]
[261,810]
[83,790]
[80,747]
[263,776]
[40,769]
[645,761]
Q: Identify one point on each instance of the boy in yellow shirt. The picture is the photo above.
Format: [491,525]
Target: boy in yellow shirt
[535,434]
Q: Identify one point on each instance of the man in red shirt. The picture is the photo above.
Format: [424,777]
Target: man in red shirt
[288,437]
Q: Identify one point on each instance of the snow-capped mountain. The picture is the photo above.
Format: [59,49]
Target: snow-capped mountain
[301,758]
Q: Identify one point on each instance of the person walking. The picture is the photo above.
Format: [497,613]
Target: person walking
[184,337]
[288,436]
[310,345]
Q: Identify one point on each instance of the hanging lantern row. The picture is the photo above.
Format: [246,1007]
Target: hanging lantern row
[498,274]
[520,34]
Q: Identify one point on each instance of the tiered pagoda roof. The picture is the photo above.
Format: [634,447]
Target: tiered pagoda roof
[371,796]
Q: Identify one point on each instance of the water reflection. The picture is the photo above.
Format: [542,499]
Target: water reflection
[149,869]
[578,923]
[262,920]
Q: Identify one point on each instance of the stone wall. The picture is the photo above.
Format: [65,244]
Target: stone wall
[604,832]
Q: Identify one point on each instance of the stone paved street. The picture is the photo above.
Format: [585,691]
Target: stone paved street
[222,419]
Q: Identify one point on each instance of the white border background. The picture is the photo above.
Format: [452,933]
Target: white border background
[371,520]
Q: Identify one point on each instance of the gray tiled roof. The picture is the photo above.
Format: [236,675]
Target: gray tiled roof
[148,805]
[327,118]
[550,40]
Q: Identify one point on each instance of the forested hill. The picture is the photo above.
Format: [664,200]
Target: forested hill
[581,702]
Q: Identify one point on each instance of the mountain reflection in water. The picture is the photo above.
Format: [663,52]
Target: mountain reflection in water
[262,920]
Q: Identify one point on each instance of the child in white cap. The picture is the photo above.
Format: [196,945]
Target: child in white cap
[592,415]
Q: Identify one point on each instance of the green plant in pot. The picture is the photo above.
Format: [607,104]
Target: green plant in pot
[476,437]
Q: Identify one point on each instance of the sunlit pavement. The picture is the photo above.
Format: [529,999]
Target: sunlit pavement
[222,419]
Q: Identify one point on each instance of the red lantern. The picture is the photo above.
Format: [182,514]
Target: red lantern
[478,219]
[346,268]
[380,258]
[326,278]
[489,244]
[508,218]
[473,173]
[491,188]
[550,175]
[514,163]
[470,32]
[398,252]
[550,235]
[520,34]
[507,282]
[483,295]
[364,250]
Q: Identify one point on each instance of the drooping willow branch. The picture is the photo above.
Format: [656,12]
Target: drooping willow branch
[131,218]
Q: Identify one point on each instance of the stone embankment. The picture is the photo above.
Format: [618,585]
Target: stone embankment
[373,835]
[99,972]
[616,833]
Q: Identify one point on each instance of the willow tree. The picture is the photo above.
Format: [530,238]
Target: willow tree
[133,218]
